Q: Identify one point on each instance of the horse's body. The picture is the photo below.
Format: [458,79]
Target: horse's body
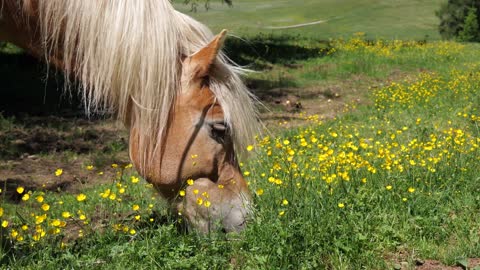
[163,75]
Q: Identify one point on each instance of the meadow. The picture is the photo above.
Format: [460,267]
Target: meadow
[378,170]
[406,19]
[391,181]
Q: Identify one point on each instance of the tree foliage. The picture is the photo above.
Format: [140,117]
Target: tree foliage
[453,17]
[470,31]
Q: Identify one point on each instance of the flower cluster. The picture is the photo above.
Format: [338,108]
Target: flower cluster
[403,148]
[41,215]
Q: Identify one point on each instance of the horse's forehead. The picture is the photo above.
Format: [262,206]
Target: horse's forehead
[199,98]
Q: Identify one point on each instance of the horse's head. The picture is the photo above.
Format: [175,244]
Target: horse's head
[198,145]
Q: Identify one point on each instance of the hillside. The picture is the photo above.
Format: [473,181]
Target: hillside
[406,19]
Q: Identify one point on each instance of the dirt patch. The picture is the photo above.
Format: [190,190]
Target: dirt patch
[45,135]
[32,149]
[39,174]
[407,260]
[288,106]
[437,265]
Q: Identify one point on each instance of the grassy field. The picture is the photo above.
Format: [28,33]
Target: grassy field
[406,19]
[388,182]
[377,169]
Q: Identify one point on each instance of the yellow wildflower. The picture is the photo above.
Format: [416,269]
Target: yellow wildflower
[45,207]
[55,223]
[135,207]
[341,205]
[4,223]
[190,182]
[58,172]
[134,179]
[40,219]
[249,148]
[25,197]
[81,197]
[20,190]
[106,193]
[181,193]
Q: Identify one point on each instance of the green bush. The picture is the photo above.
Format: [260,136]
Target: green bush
[453,15]
[470,31]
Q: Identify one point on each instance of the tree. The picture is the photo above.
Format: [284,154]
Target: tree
[453,15]
[470,31]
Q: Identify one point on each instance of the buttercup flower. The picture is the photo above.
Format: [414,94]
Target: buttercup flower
[81,197]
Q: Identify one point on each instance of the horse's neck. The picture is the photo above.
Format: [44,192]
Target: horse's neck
[19,25]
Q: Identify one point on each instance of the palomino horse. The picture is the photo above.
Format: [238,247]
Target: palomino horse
[162,73]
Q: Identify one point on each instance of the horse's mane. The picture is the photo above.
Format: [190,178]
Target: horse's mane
[123,49]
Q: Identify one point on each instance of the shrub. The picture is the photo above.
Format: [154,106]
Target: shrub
[470,31]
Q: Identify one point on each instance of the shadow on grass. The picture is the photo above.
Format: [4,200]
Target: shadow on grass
[264,50]
[28,89]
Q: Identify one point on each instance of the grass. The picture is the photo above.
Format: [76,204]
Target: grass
[408,19]
[390,181]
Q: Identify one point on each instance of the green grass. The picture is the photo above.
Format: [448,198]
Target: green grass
[392,181]
[407,19]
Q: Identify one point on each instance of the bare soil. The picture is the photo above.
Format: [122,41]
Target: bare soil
[437,265]
[33,148]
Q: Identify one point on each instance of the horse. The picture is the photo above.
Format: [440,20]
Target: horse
[164,75]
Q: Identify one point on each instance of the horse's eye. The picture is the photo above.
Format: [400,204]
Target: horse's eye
[219,130]
[219,126]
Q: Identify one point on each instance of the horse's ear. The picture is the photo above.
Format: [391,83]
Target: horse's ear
[204,58]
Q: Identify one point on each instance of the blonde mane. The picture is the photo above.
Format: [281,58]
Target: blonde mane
[122,50]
